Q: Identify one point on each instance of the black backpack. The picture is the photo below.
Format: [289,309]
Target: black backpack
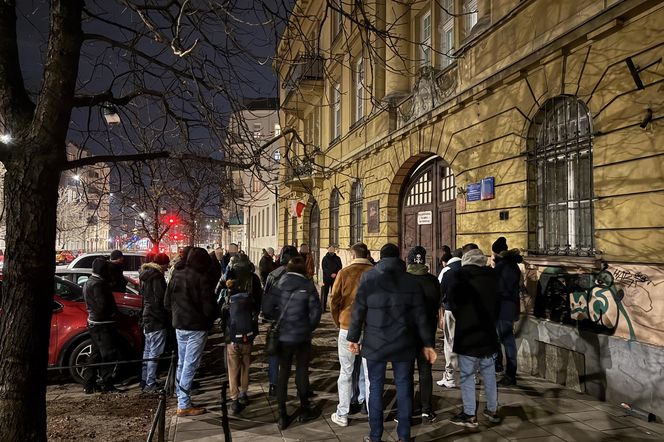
[241,320]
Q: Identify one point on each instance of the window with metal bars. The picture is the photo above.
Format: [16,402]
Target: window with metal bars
[334,218]
[420,192]
[447,185]
[356,211]
[560,179]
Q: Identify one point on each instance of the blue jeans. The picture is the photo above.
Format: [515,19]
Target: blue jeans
[273,370]
[153,348]
[402,380]
[468,367]
[190,350]
[505,331]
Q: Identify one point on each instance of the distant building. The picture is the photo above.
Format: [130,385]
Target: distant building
[83,206]
[251,210]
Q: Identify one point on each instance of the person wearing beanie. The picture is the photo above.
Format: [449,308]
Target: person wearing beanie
[506,264]
[431,290]
[473,296]
[266,265]
[102,317]
[118,281]
[156,320]
[389,315]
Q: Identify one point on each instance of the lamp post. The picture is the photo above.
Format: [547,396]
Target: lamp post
[110,113]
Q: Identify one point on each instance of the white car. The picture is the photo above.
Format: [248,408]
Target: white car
[132,261]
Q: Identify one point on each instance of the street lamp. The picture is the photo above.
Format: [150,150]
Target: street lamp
[110,113]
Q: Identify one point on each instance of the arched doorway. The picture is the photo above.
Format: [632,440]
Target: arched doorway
[314,233]
[428,209]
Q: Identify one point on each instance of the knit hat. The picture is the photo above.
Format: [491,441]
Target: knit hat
[499,246]
[389,250]
[417,255]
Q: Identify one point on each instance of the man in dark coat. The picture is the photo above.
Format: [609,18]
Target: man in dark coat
[191,299]
[266,265]
[295,302]
[287,252]
[118,281]
[102,317]
[473,295]
[431,290]
[156,320]
[509,284]
[331,265]
[389,314]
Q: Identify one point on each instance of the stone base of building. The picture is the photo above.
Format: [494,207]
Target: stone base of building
[610,368]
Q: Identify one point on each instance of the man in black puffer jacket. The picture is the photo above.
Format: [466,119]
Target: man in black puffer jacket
[287,252]
[191,299]
[509,284]
[156,320]
[431,290]
[294,302]
[473,295]
[102,316]
[389,307]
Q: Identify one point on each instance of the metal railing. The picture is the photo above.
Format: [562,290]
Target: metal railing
[159,419]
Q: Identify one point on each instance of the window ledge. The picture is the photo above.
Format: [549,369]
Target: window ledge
[334,141]
[581,262]
[357,124]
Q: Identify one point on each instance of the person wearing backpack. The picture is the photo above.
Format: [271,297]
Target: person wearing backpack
[240,316]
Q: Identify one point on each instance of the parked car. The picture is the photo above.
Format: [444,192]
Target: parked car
[79,276]
[64,257]
[132,261]
[70,342]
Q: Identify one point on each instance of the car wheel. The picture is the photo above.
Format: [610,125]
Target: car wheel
[78,356]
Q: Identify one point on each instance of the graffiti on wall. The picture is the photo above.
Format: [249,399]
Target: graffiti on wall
[619,299]
[590,300]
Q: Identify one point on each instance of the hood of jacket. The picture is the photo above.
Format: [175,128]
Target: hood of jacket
[418,269]
[512,255]
[474,258]
[150,270]
[293,281]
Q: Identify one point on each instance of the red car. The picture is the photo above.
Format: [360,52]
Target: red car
[70,343]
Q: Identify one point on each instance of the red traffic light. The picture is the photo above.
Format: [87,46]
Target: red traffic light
[171,220]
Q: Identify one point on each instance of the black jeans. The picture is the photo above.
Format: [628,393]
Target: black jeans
[324,291]
[105,343]
[302,354]
[426,382]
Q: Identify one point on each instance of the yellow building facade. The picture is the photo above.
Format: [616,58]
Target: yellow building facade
[449,122]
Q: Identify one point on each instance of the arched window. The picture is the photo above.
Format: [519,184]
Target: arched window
[334,218]
[356,210]
[560,178]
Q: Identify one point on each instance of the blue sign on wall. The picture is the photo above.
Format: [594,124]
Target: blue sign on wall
[473,192]
[487,191]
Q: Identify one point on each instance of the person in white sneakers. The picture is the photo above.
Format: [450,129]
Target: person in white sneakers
[447,321]
[342,299]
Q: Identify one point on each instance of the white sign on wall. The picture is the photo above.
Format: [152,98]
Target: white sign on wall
[424,217]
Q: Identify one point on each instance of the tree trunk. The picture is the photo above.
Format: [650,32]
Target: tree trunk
[31,195]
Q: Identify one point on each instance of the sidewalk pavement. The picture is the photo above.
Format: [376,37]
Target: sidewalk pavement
[535,410]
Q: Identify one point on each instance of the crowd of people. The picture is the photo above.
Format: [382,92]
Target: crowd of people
[385,312]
